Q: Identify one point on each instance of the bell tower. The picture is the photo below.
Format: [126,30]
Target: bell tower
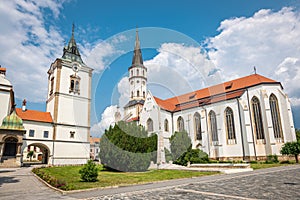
[69,101]
[137,83]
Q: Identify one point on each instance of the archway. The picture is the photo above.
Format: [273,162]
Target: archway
[40,153]
[10,147]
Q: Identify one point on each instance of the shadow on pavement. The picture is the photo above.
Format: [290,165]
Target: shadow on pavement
[7,179]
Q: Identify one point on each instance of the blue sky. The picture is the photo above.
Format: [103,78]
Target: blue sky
[189,40]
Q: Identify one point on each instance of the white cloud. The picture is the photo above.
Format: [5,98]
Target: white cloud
[107,119]
[27,46]
[179,69]
[268,40]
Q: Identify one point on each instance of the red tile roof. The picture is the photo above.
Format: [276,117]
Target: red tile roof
[93,140]
[224,91]
[133,119]
[34,115]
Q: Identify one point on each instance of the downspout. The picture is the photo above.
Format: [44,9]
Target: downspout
[241,127]
[254,148]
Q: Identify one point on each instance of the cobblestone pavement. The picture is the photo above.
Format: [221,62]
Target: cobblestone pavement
[272,183]
[280,183]
[19,183]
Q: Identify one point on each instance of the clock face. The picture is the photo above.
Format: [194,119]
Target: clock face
[75,67]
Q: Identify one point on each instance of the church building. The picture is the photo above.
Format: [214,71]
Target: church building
[247,118]
[59,136]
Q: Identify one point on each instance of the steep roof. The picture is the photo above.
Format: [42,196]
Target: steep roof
[224,91]
[12,122]
[94,140]
[34,115]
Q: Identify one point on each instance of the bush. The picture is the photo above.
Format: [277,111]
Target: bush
[192,156]
[127,147]
[89,172]
[272,159]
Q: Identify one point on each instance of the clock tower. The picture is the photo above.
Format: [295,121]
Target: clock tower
[69,102]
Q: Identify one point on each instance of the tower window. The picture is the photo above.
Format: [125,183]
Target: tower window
[131,82]
[131,94]
[51,85]
[131,72]
[72,134]
[143,72]
[143,83]
[74,84]
[138,93]
[144,94]
[137,72]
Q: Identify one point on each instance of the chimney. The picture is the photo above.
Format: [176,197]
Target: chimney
[24,106]
[2,70]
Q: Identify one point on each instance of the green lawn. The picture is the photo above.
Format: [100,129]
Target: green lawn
[266,165]
[70,174]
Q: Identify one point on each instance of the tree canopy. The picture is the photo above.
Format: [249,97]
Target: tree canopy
[127,147]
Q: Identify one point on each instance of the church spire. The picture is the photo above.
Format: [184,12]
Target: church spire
[137,56]
[71,51]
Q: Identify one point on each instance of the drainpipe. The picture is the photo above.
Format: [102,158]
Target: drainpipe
[241,127]
[254,148]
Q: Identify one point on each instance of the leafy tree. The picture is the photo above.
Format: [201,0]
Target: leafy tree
[180,142]
[89,172]
[127,147]
[298,134]
[30,154]
[291,148]
[168,155]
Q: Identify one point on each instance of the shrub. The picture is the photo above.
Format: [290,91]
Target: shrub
[127,147]
[192,156]
[272,159]
[89,172]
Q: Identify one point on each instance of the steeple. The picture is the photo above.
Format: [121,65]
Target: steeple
[71,51]
[137,56]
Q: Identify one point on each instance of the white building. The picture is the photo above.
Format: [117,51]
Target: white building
[61,133]
[243,119]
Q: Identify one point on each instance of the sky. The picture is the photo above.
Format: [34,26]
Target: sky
[186,45]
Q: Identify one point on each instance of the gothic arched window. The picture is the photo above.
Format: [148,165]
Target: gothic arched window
[213,126]
[230,130]
[197,126]
[276,118]
[166,125]
[150,125]
[74,84]
[77,86]
[258,122]
[180,124]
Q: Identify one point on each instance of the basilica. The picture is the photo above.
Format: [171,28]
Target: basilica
[247,118]
[59,136]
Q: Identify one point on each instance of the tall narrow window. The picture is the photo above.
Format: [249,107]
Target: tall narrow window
[150,125]
[230,126]
[144,94]
[166,125]
[74,84]
[137,72]
[258,123]
[77,86]
[197,126]
[180,124]
[131,72]
[143,72]
[138,93]
[131,94]
[213,126]
[51,85]
[276,118]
